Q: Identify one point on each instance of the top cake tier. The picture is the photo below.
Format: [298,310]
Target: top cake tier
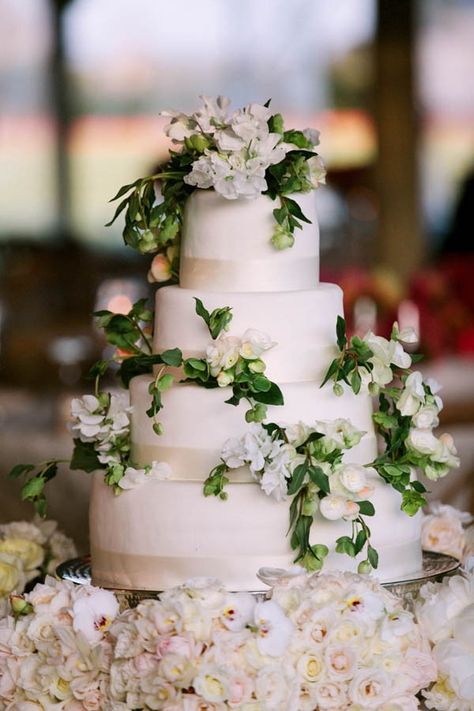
[226,245]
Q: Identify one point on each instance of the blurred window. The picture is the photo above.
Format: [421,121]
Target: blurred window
[27,164]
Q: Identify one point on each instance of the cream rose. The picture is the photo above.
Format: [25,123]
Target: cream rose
[30,553]
[11,575]
[369,688]
[443,534]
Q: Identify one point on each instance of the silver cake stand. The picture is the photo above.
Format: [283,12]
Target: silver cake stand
[434,568]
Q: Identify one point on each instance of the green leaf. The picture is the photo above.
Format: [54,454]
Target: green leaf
[319,478]
[273,396]
[320,551]
[117,212]
[366,508]
[260,384]
[293,513]
[33,488]
[202,311]
[360,541]
[275,124]
[20,469]
[332,370]
[418,486]
[412,502]
[297,138]
[125,189]
[345,545]
[373,557]
[295,210]
[297,478]
[341,333]
[280,214]
[84,457]
[172,357]
[98,370]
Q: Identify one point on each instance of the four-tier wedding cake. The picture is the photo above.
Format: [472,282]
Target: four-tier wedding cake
[278,337]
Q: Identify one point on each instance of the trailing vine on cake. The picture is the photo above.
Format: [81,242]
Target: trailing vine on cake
[243,154]
[304,464]
[408,409]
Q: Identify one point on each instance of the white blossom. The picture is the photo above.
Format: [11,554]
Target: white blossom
[133,478]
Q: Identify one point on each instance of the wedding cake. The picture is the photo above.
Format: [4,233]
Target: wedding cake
[170,528]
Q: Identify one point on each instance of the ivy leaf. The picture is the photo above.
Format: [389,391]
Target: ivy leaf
[373,557]
[273,396]
[172,357]
[345,545]
[366,508]
[260,384]
[295,210]
[202,311]
[84,457]
[332,370]
[360,541]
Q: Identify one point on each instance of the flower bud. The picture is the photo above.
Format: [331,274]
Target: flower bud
[364,567]
[309,507]
[338,389]
[20,606]
[257,366]
[225,378]
[160,269]
[374,389]
[311,563]
[158,428]
[196,142]
[282,238]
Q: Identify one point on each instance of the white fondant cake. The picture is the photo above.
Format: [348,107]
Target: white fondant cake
[158,535]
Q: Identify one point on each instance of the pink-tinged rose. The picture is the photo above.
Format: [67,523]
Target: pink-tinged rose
[160,269]
[369,688]
[184,646]
[330,695]
[443,534]
[239,689]
[145,663]
[418,669]
[340,661]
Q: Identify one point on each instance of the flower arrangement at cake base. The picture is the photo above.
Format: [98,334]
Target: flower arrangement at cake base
[326,641]
[30,550]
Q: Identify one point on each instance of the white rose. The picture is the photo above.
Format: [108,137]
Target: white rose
[224,379]
[457,664]
[369,688]
[271,689]
[341,661]
[338,434]
[426,417]
[396,624]
[412,396]
[446,452]
[297,433]
[463,627]
[439,604]
[310,666]
[28,531]
[402,703]
[177,669]
[417,670]
[332,507]
[422,441]
[254,343]
[353,477]
[233,452]
[330,695]
[211,684]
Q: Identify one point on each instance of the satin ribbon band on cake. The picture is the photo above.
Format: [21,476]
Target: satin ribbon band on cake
[251,275]
[109,567]
[187,464]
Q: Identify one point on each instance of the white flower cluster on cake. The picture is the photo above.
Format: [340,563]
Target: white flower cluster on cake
[103,424]
[445,612]
[331,641]
[272,462]
[223,354]
[29,550]
[236,148]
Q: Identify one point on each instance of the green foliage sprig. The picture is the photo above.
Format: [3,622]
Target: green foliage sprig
[33,490]
[354,355]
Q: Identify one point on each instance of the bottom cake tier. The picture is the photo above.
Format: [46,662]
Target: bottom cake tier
[164,532]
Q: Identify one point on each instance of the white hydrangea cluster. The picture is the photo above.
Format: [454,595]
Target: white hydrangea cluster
[236,149]
[445,612]
[104,421]
[354,646]
[223,354]
[272,461]
[29,549]
[55,650]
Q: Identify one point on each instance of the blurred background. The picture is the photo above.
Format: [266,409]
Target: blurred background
[389,84]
